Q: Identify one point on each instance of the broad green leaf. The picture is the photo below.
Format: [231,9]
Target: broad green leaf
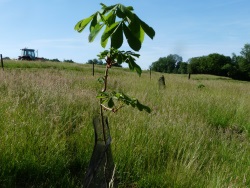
[148,30]
[94,32]
[102,95]
[103,54]
[137,69]
[119,13]
[126,12]
[110,18]
[142,107]
[133,42]
[130,8]
[104,41]
[135,27]
[119,59]
[83,23]
[93,23]
[106,34]
[111,103]
[107,8]
[103,19]
[103,5]
[117,37]
[134,66]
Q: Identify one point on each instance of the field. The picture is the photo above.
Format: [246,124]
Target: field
[197,134]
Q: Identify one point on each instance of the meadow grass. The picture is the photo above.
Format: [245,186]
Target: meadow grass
[194,137]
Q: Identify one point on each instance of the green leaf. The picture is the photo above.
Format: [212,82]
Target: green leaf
[134,66]
[94,32]
[119,13]
[130,101]
[126,12]
[103,5]
[119,59]
[106,34]
[142,107]
[136,29]
[107,8]
[137,68]
[103,54]
[110,18]
[117,37]
[148,30]
[111,103]
[83,23]
[133,42]
[93,23]
[102,95]
[130,8]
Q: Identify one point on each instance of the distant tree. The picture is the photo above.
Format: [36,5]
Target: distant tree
[159,65]
[6,58]
[240,65]
[96,61]
[245,52]
[229,70]
[166,64]
[194,65]
[215,62]
[68,61]
[55,60]
[211,64]
[182,68]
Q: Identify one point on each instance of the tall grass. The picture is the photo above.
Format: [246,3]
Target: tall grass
[194,137]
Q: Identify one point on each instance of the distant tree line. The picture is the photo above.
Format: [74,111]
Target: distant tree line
[100,62]
[57,60]
[6,58]
[236,67]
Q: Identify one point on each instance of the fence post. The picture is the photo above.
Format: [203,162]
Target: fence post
[93,68]
[1,61]
[161,82]
[150,73]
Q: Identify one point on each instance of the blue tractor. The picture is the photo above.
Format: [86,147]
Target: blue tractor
[28,54]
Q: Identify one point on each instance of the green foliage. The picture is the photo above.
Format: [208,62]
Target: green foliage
[245,52]
[200,86]
[236,67]
[6,58]
[108,98]
[54,60]
[167,64]
[118,57]
[118,20]
[182,68]
[68,61]
[211,64]
[95,61]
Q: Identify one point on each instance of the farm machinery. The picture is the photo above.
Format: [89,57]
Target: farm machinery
[29,54]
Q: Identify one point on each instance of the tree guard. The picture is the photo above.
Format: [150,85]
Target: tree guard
[101,169]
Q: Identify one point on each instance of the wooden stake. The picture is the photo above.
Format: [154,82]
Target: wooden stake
[1,61]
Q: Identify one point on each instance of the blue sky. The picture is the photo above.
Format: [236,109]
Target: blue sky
[189,28]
